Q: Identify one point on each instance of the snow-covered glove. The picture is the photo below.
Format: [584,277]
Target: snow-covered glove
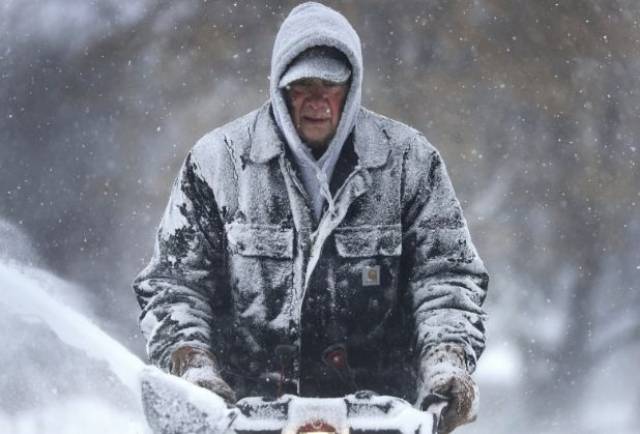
[444,373]
[198,366]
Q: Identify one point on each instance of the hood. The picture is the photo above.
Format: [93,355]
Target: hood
[309,25]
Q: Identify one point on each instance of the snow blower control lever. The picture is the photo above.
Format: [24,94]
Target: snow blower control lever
[173,406]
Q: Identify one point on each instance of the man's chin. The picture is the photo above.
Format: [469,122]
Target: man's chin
[319,141]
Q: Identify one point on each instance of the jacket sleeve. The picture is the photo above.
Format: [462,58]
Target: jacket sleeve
[182,290]
[447,281]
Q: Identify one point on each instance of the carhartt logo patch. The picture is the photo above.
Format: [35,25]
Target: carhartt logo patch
[371,275]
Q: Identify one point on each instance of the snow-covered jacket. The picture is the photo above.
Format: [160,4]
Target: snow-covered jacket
[289,303]
[241,268]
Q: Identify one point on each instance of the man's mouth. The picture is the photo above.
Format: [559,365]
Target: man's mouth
[315,119]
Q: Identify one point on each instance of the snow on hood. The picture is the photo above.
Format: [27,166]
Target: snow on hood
[309,25]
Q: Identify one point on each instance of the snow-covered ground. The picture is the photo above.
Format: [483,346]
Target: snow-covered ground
[79,414]
[61,373]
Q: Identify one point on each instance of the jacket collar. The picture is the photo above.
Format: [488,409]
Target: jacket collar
[371,141]
[372,152]
[266,142]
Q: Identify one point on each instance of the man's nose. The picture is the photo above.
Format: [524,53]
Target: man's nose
[317,102]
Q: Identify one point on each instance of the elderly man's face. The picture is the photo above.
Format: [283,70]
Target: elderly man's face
[315,106]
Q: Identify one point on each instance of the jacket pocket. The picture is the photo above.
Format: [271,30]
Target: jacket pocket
[261,267]
[368,262]
[368,241]
[258,240]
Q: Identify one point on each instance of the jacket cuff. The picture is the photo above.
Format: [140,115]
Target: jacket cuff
[443,358]
[438,362]
[186,358]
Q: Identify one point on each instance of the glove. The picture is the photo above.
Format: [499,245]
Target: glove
[198,366]
[444,373]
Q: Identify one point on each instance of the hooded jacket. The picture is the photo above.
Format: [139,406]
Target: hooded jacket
[356,300]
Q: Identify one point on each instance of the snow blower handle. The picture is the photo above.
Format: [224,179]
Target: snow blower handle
[174,406]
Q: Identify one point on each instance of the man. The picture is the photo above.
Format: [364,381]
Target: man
[315,247]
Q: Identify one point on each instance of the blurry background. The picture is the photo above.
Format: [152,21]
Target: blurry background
[535,106]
